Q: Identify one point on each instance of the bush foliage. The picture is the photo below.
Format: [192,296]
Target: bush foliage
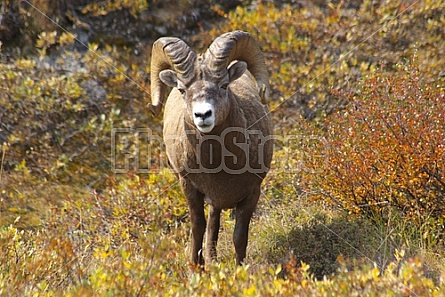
[353,206]
[313,49]
[386,149]
[130,239]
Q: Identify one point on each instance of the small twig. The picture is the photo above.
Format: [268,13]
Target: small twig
[2,161]
[148,269]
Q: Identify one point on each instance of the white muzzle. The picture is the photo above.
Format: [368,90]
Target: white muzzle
[204,116]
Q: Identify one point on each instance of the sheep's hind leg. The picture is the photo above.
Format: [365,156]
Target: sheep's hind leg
[243,214]
[212,232]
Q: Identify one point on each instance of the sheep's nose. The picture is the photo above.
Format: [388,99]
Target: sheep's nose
[204,115]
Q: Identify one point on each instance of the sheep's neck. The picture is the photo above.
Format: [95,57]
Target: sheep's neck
[235,118]
[207,148]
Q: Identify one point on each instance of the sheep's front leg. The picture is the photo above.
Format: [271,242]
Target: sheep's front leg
[212,232]
[243,214]
[195,201]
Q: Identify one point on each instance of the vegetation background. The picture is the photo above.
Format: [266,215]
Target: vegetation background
[354,204]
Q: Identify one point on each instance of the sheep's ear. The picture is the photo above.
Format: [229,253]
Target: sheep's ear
[236,69]
[169,77]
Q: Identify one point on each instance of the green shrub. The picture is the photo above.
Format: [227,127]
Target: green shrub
[100,9]
[128,239]
[313,49]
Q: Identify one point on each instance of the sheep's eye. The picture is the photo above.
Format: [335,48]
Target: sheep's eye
[182,91]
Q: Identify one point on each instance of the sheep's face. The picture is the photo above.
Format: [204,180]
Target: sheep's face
[205,104]
[207,99]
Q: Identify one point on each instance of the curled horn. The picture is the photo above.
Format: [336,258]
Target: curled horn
[239,45]
[169,53]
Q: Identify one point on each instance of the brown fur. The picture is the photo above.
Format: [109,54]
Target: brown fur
[221,190]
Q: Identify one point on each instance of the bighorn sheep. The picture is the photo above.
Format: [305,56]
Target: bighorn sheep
[217,132]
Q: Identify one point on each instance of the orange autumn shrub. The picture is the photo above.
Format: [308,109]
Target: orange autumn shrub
[386,150]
